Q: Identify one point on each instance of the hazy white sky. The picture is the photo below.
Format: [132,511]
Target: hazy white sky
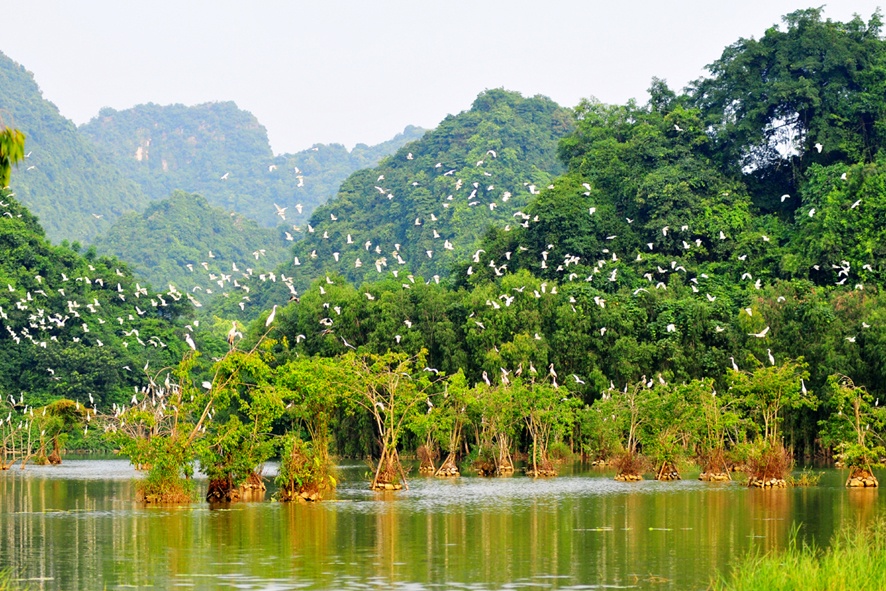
[360,71]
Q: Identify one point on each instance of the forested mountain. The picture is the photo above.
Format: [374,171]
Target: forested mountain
[75,324]
[729,235]
[64,180]
[426,206]
[173,238]
[728,228]
[223,153]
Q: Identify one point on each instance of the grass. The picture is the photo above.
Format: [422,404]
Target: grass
[855,561]
[807,477]
[6,582]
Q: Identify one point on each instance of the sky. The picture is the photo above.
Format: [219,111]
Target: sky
[360,71]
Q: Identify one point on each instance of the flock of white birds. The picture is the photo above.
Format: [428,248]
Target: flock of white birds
[52,327]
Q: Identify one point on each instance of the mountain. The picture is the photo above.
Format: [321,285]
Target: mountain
[428,205]
[223,153]
[64,181]
[174,237]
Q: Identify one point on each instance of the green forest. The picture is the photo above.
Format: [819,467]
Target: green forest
[692,280]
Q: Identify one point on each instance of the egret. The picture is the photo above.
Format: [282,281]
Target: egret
[271,316]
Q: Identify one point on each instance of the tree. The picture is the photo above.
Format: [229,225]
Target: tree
[238,440]
[624,414]
[389,387]
[548,413]
[770,101]
[12,151]
[766,393]
[311,388]
[854,428]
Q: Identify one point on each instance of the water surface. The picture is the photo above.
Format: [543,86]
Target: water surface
[77,527]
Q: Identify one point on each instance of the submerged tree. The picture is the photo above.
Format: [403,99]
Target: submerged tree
[624,414]
[548,413]
[389,387]
[238,440]
[312,389]
[716,422]
[55,421]
[665,435]
[855,429]
[494,416]
[766,393]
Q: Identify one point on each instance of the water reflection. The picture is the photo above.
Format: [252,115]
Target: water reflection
[70,529]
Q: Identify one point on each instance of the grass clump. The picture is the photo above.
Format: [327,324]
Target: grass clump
[6,581]
[855,561]
[807,477]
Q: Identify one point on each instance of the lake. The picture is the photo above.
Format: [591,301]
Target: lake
[77,527]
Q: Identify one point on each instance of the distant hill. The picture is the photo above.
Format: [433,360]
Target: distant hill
[428,205]
[173,238]
[427,208]
[65,181]
[223,153]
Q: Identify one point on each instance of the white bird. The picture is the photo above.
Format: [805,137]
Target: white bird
[190,341]
[785,196]
[771,358]
[734,365]
[802,386]
[271,316]
[818,147]
[760,334]
[812,212]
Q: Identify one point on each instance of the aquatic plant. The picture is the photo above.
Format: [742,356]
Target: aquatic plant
[855,560]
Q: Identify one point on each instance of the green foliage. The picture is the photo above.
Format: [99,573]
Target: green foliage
[815,82]
[303,472]
[854,425]
[12,151]
[64,179]
[769,391]
[71,323]
[183,229]
[855,560]
[244,405]
[438,194]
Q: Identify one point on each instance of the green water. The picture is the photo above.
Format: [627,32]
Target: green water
[76,526]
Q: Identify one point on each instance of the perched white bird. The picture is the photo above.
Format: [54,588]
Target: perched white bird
[271,316]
